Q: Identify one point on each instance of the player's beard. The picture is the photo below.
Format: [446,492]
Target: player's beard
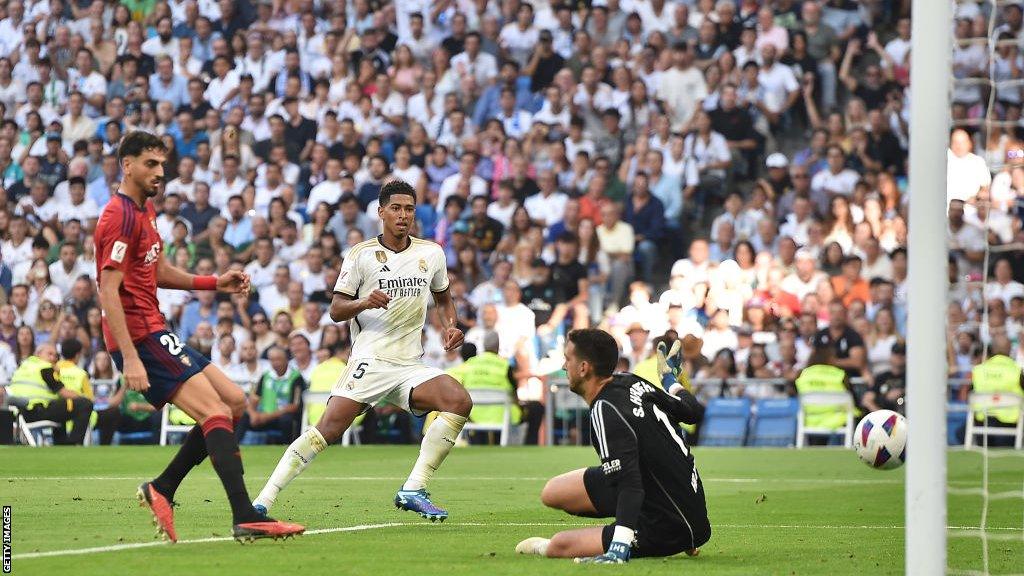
[575,384]
[149,189]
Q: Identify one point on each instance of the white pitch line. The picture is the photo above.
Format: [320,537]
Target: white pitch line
[361,527]
[120,547]
[825,481]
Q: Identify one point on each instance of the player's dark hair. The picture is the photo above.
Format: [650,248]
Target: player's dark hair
[70,348]
[596,347]
[393,187]
[136,142]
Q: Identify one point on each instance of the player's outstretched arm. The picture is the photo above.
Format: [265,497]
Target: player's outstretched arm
[345,307]
[170,276]
[678,403]
[110,300]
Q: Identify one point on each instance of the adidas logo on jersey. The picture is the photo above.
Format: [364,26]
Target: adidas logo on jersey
[385,268]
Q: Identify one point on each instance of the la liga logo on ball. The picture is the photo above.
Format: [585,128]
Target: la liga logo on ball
[881,440]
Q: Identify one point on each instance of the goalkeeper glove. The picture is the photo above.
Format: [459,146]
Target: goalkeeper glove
[670,366]
[618,550]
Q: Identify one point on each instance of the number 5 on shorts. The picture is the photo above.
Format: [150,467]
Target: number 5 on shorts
[360,370]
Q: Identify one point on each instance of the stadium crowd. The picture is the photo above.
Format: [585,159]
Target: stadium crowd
[732,170]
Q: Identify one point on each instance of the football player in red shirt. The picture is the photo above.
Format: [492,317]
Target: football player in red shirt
[130,266]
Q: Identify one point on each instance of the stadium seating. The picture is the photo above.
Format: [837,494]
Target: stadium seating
[167,428]
[775,423]
[37,433]
[837,399]
[261,437]
[725,422]
[957,414]
[492,398]
[980,402]
[132,438]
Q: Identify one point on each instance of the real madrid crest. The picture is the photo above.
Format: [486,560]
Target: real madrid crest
[382,257]
[423,265]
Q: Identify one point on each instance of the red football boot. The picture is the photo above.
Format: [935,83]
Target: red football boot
[163,513]
[268,528]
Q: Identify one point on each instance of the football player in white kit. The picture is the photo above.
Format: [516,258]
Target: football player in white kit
[383,288]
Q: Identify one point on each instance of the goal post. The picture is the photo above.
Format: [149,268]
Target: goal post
[930,75]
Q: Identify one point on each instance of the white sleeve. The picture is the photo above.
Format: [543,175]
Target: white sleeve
[439,281]
[790,81]
[350,277]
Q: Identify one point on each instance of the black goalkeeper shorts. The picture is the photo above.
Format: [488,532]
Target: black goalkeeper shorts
[657,534]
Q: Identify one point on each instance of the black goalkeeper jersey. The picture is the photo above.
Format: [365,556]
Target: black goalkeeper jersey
[647,462]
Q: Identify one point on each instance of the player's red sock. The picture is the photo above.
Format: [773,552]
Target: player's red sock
[190,455]
[227,461]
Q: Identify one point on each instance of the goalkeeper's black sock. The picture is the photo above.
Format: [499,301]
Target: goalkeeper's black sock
[190,455]
[227,461]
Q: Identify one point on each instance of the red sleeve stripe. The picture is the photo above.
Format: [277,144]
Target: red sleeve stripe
[127,218]
[218,421]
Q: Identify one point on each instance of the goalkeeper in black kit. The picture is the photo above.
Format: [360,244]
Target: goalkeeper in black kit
[647,480]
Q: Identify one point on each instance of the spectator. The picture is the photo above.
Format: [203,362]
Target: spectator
[837,179]
[1002,285]
[849,285]
[848,352]
[274,404]
[889,390]
[645,214]
[618,241]
[880,340]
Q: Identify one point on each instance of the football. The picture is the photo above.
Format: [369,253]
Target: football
[881,439]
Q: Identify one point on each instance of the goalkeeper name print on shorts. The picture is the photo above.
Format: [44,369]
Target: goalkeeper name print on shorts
[371,381]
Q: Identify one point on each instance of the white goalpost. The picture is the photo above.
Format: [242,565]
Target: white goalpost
[927,284]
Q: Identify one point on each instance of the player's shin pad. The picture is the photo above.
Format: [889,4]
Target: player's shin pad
[295,459]
[437,442]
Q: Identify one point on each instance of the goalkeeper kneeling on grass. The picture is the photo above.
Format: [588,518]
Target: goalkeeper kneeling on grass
[647,480]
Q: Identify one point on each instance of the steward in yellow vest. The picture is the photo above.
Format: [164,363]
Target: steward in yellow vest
[72,377]
[820,376]
[1000,374]
[488,371]
[40,395]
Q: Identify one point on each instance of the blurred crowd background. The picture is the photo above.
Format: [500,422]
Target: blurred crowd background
[734,170]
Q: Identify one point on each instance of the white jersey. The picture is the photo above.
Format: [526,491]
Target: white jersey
[408,277]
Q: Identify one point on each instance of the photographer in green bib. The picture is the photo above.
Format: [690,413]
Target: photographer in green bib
[488,371]
[36,390]
[821,375]
[127,413]
[999,374]
[274,402]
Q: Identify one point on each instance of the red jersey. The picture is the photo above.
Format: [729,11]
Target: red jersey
[127,240]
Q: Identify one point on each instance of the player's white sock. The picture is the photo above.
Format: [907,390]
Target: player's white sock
[437,442]
[293,462]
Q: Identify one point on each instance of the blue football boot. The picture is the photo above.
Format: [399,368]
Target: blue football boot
[418,501]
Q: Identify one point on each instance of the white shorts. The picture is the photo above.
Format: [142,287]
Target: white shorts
[371,381]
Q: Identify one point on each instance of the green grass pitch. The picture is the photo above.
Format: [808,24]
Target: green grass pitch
[773,512]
